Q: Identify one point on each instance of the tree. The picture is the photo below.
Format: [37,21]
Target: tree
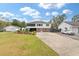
[75,18]
[2,23]
[22,24]
[8,23]
[57,20]
[16,23]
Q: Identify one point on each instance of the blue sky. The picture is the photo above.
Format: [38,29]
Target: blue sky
[34,11]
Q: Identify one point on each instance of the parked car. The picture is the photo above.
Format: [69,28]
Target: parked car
[67,32]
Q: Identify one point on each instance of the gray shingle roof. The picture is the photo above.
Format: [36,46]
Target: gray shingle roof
[68,22]
[73,24]
[35,22]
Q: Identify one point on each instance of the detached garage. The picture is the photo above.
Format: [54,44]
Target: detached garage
[69,27]
[11,28]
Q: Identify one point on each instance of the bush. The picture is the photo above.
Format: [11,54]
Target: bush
[34,33]
[19,31]
[26,32]
[2,30]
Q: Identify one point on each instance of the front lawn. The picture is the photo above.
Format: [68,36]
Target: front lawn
[20,44]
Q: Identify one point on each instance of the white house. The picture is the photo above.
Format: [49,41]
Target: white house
[69,26]
[38,26]
[11,28]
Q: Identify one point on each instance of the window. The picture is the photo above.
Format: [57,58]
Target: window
[30,24]
[66,29]
[47,24]
[39,24]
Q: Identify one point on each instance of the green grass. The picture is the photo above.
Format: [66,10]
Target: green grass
[12,44]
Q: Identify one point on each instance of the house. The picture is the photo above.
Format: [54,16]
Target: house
[69,26]
[11,28]
[39,26]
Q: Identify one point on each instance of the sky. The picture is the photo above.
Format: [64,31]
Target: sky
[37,11]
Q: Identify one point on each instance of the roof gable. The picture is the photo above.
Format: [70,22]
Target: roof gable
[37,22]
[12,26]
[73,24]
[70,23]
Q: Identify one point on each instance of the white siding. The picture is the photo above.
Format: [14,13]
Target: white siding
[11,28]
[43,26]
[75,30]
[63,25]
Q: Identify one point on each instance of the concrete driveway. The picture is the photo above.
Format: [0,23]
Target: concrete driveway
[63,45]
[75,37]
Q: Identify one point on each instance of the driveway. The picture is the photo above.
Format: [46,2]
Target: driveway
[63,45]
[75,37]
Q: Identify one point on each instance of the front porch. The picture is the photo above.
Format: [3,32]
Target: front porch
[39,29]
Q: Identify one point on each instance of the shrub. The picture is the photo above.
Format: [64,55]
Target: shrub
[26,32]
[19,31]
[2,30]
[34,33]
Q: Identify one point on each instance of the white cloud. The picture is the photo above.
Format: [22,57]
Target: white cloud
[10,16]
[55,13]
[6,14]
[36,19]
[48,14]
[51,5]
[60,5]
[67,11]
[30,12]
[22,19]
[45,5]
